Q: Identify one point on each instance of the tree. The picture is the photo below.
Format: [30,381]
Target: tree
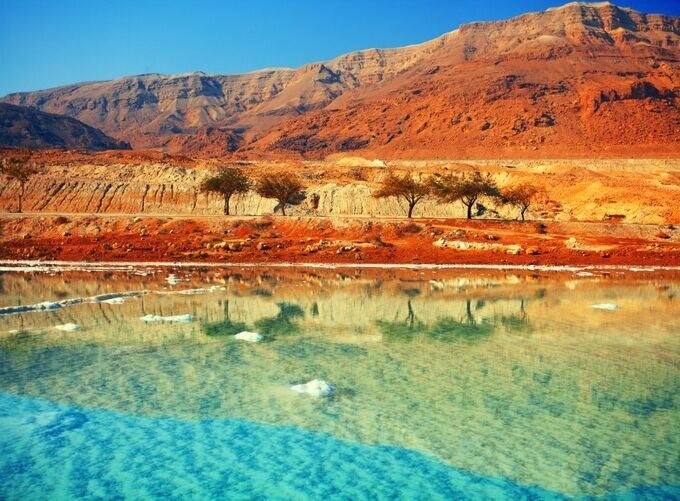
[466,188]
[520,196]
[228,182]
[406,187]
[284,187]
[21,170]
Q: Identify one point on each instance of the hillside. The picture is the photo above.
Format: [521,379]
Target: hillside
[22,127]
[579,80]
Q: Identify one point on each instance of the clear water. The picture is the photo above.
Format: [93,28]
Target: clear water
[473,385]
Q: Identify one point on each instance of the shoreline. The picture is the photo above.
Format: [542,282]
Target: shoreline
[350,243]
[45,266]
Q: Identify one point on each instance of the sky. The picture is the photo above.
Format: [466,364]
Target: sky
[47,43]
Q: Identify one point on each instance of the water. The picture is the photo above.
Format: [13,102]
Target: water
[484,384]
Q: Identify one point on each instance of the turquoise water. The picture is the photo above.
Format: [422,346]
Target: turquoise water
[476,385]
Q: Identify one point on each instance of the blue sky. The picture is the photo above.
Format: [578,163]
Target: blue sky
[46,43]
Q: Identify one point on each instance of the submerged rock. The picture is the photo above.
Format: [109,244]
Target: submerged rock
[251,337]
[315,388]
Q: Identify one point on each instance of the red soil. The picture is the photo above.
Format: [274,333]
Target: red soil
[309,240]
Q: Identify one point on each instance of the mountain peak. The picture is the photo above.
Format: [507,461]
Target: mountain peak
[595,5]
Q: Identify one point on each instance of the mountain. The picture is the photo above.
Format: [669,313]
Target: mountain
[23,127]
[582,79]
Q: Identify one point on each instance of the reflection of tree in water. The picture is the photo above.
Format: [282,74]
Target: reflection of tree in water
[466,329]
[225,327]
[452,329]
[518,322]
[282,324]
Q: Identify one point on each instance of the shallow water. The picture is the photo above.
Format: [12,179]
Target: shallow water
[474,384]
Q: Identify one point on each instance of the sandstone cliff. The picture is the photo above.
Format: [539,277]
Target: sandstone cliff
[635,191]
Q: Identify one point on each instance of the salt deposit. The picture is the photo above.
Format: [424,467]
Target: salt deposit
[172,318]
[315,388]
[251,337]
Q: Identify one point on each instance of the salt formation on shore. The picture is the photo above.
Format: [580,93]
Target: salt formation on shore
[315,388]
[251,337]
[172,318]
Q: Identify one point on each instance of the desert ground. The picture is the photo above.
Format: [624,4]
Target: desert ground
[147,206]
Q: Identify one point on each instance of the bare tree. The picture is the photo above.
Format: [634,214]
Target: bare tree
[405,187]
[21,170]
[228,182]
[520,195]
[284,187]
[466,188]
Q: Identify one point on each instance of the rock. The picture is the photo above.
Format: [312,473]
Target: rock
[572,243]
[172,279]
[251,337]
[492,237]
[345,248]
[533,251]
[514,250]
[262,246]
[315,388]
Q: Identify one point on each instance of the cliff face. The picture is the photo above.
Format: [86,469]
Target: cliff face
[22,127]
[633,191]
[580,79]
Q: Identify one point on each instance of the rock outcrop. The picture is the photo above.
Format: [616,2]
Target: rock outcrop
[570,81]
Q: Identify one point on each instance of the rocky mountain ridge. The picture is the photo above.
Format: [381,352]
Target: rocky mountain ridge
[581,79]
[23,127]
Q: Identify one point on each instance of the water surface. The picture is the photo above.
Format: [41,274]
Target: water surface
[449,383]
